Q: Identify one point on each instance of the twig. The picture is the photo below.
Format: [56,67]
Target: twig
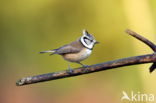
[149,58]
[144,40]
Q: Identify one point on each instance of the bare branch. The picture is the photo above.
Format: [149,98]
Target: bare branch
[149,58]
[147,42]
[144,40]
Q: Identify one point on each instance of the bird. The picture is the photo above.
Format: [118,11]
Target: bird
[76,51]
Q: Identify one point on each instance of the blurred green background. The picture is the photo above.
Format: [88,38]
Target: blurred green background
[30,26]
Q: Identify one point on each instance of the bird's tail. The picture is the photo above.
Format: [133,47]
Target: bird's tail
[48,51]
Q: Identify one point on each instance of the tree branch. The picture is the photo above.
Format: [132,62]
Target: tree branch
[144,40]
[149,58]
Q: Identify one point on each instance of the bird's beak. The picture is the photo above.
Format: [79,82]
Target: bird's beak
[97,42]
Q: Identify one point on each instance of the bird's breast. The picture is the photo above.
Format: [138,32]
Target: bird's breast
[76,57]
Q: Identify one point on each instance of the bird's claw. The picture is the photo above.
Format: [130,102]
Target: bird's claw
[69,70]
[85,66]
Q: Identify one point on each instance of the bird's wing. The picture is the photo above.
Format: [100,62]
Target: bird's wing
[67,49]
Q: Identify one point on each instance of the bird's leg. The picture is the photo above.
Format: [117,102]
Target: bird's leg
[83,65]
[69,70]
